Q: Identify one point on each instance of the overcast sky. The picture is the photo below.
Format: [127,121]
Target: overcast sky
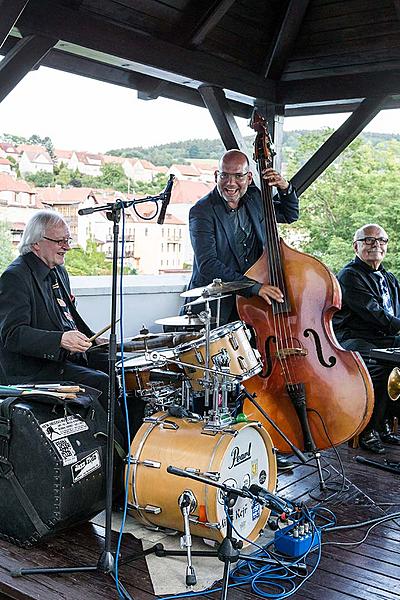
[84,114]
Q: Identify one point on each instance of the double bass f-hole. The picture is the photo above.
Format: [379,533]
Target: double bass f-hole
[281,353]
[318,348]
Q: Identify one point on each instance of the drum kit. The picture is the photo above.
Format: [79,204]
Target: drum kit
[215,446]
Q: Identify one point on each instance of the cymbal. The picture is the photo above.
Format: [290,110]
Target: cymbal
[148,336]
[217,287]
[181,321]
[202,299]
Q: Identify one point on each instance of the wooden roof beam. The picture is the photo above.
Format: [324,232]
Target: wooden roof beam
[217,103]
[343,87]
[24,56]
[139,51]
[337,142]
[9,11]
[285,39]
[209,20]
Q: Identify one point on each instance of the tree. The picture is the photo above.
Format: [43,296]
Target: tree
[40,179]
[7,252]
[88,262]
[359,187]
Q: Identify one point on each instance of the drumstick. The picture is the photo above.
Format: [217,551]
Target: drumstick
[16,392]
[99,333]
[52,387]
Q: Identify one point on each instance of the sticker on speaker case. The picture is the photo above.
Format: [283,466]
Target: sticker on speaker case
[86,466]
[66,451]
[60,428]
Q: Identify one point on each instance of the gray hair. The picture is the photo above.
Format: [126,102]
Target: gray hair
[362,229]
[36,228]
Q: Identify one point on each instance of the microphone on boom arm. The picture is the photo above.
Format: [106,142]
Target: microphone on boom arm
[166,198]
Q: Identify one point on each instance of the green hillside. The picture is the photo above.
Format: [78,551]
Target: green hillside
[181,152]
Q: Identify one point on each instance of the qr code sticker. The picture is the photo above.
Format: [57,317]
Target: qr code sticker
[66,451]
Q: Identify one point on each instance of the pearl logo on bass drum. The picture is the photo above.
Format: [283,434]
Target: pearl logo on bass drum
[238,458]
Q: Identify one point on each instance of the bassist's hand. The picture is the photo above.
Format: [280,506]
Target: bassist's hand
[270,292]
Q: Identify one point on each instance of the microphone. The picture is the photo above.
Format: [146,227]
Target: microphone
[85,211]
[166,198]
[175,471]
[269,500]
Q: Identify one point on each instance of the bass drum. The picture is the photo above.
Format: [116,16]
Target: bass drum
[239,455]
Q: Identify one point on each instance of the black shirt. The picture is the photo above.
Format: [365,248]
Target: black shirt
[363,314]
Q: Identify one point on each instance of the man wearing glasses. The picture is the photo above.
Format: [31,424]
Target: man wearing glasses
[370,318]
[42,336]
[227,228]
[227,232]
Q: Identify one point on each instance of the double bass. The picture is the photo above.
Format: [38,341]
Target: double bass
[317,393]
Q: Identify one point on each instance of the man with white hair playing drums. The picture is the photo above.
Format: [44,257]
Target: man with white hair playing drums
[42,336]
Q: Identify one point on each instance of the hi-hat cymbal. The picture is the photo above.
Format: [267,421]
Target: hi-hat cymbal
[202,299]
[216,288]
[148,336]
[181,321]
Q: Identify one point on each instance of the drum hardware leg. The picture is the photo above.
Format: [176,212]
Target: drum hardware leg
[295,450]
[228,550]
[187,504]
[316,454]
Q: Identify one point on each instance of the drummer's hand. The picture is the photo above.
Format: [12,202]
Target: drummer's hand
[100,341]
[275,178]
[268,292]
[75,341]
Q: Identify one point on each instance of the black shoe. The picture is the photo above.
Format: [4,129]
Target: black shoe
[283,464]
[390,438]
[387,436]
[372,442]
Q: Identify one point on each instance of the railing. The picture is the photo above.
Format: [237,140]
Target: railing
[145,299]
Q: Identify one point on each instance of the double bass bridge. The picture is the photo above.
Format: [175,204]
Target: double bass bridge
[284,353]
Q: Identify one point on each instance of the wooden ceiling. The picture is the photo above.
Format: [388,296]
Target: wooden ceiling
[287,57]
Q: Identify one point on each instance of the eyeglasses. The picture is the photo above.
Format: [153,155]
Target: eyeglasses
[237,176]
[370,241]
[63,242]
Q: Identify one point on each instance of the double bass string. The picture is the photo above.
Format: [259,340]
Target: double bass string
[283,334]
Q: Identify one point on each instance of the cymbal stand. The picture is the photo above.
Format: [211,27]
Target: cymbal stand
[205,316]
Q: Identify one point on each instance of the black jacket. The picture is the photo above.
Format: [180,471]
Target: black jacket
[30,326]
[362,314]
[212,237]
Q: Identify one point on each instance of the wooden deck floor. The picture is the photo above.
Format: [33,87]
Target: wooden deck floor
[370,571]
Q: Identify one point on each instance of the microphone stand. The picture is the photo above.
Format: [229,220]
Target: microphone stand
[106,560]
[228,550]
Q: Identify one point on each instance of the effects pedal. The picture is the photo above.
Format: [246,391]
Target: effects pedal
[295,539]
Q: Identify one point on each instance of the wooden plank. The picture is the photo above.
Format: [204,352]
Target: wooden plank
[25,55]
[9,11]
[140,48]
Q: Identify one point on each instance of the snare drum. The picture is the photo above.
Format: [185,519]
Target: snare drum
[139,372]
[238,456]
[233,339]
